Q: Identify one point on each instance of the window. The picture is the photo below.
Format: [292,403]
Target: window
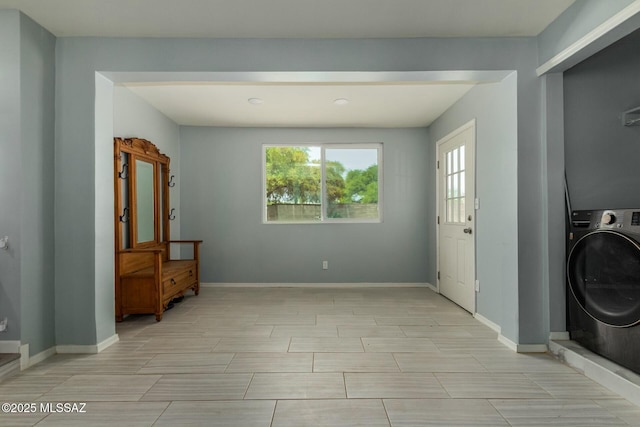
[322,183]
[454,183]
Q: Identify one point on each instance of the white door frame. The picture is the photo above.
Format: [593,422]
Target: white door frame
[464,127]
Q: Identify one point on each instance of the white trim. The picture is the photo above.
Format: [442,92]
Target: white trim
[559,336]
[593,35]
[508,343]
[316,285]
[532,348]
[9,346]
[433,288]
[522,348]
[40,357]
[488,322]
[88,349]
[24,356]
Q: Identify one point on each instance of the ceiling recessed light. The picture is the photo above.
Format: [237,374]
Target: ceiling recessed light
[255,101]
[341,101]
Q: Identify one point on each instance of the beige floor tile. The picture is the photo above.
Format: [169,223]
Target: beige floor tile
[239,331]
[187,363]
[27,388]
[490,385]
[255,344]
[286,319]
[369,331]
[442,412]
[178,345]
[106,388]
[108,414]
[112,363]
[20,419]
[354,362]
[271,362]
[467,345]
[622,409]
[536,412]
[198,387]
[326,345]
[393,385]
[521,362]
[404,321]
[571,385]
[438,362]
[296,386]
[305,331]
[344,413]
[335,320]
[248,413]
[435,331]
[399,345]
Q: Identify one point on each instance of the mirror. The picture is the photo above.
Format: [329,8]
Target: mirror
[141,194]
[145,202]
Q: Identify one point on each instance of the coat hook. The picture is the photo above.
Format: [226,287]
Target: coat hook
[125,215]
[171,215]
[124,173]
[171,183]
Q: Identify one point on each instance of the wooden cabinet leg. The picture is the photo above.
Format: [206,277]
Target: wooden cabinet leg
[158,317]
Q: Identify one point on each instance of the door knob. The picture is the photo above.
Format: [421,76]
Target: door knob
[468,230]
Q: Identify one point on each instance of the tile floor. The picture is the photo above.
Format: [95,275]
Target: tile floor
[312,357]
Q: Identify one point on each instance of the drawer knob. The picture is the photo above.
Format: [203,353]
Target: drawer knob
[173,282]
[190,272]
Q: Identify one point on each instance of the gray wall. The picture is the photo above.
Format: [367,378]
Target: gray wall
[222,204]
[494,107]
[602,154]
[26,181]
[78,59]
[134,117]
[37,48]
[579,19]
[10,172]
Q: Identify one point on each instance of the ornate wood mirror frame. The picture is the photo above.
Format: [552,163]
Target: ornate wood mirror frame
[142,196]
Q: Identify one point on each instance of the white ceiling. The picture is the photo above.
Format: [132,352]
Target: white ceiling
[302,104]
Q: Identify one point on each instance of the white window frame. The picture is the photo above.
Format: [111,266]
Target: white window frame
[323,204]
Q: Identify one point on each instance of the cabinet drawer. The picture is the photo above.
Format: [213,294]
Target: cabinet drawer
[178,281]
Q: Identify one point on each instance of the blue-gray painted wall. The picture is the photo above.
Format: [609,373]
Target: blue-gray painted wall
[494,107]
[601,154]
[222,204]
[10,168]
[83,282]
[37,63]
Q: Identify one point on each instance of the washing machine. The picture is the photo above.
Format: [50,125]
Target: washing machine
[603,282]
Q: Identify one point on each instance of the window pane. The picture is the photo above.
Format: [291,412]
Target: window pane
[462,210]
[462,187]
[455,161]
[351,183]
[462,164]
[293,183]
[448,171]
[449,210]
[456,216]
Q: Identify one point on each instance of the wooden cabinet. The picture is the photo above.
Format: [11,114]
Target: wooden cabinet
[147,278]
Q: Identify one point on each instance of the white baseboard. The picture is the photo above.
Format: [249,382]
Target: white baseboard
[88,349]
[315,285]
[522,348]
[432,287]
[559,336]
[488,322]
[24,356]
[40,357]
[10,347]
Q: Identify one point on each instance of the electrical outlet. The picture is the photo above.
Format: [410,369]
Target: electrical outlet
[325,265]
[3,325]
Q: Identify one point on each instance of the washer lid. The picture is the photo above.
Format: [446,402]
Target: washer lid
[603,271]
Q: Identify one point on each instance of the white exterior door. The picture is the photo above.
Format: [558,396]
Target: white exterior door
[456,217]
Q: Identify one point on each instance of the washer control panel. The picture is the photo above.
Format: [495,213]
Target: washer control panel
[619,219]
